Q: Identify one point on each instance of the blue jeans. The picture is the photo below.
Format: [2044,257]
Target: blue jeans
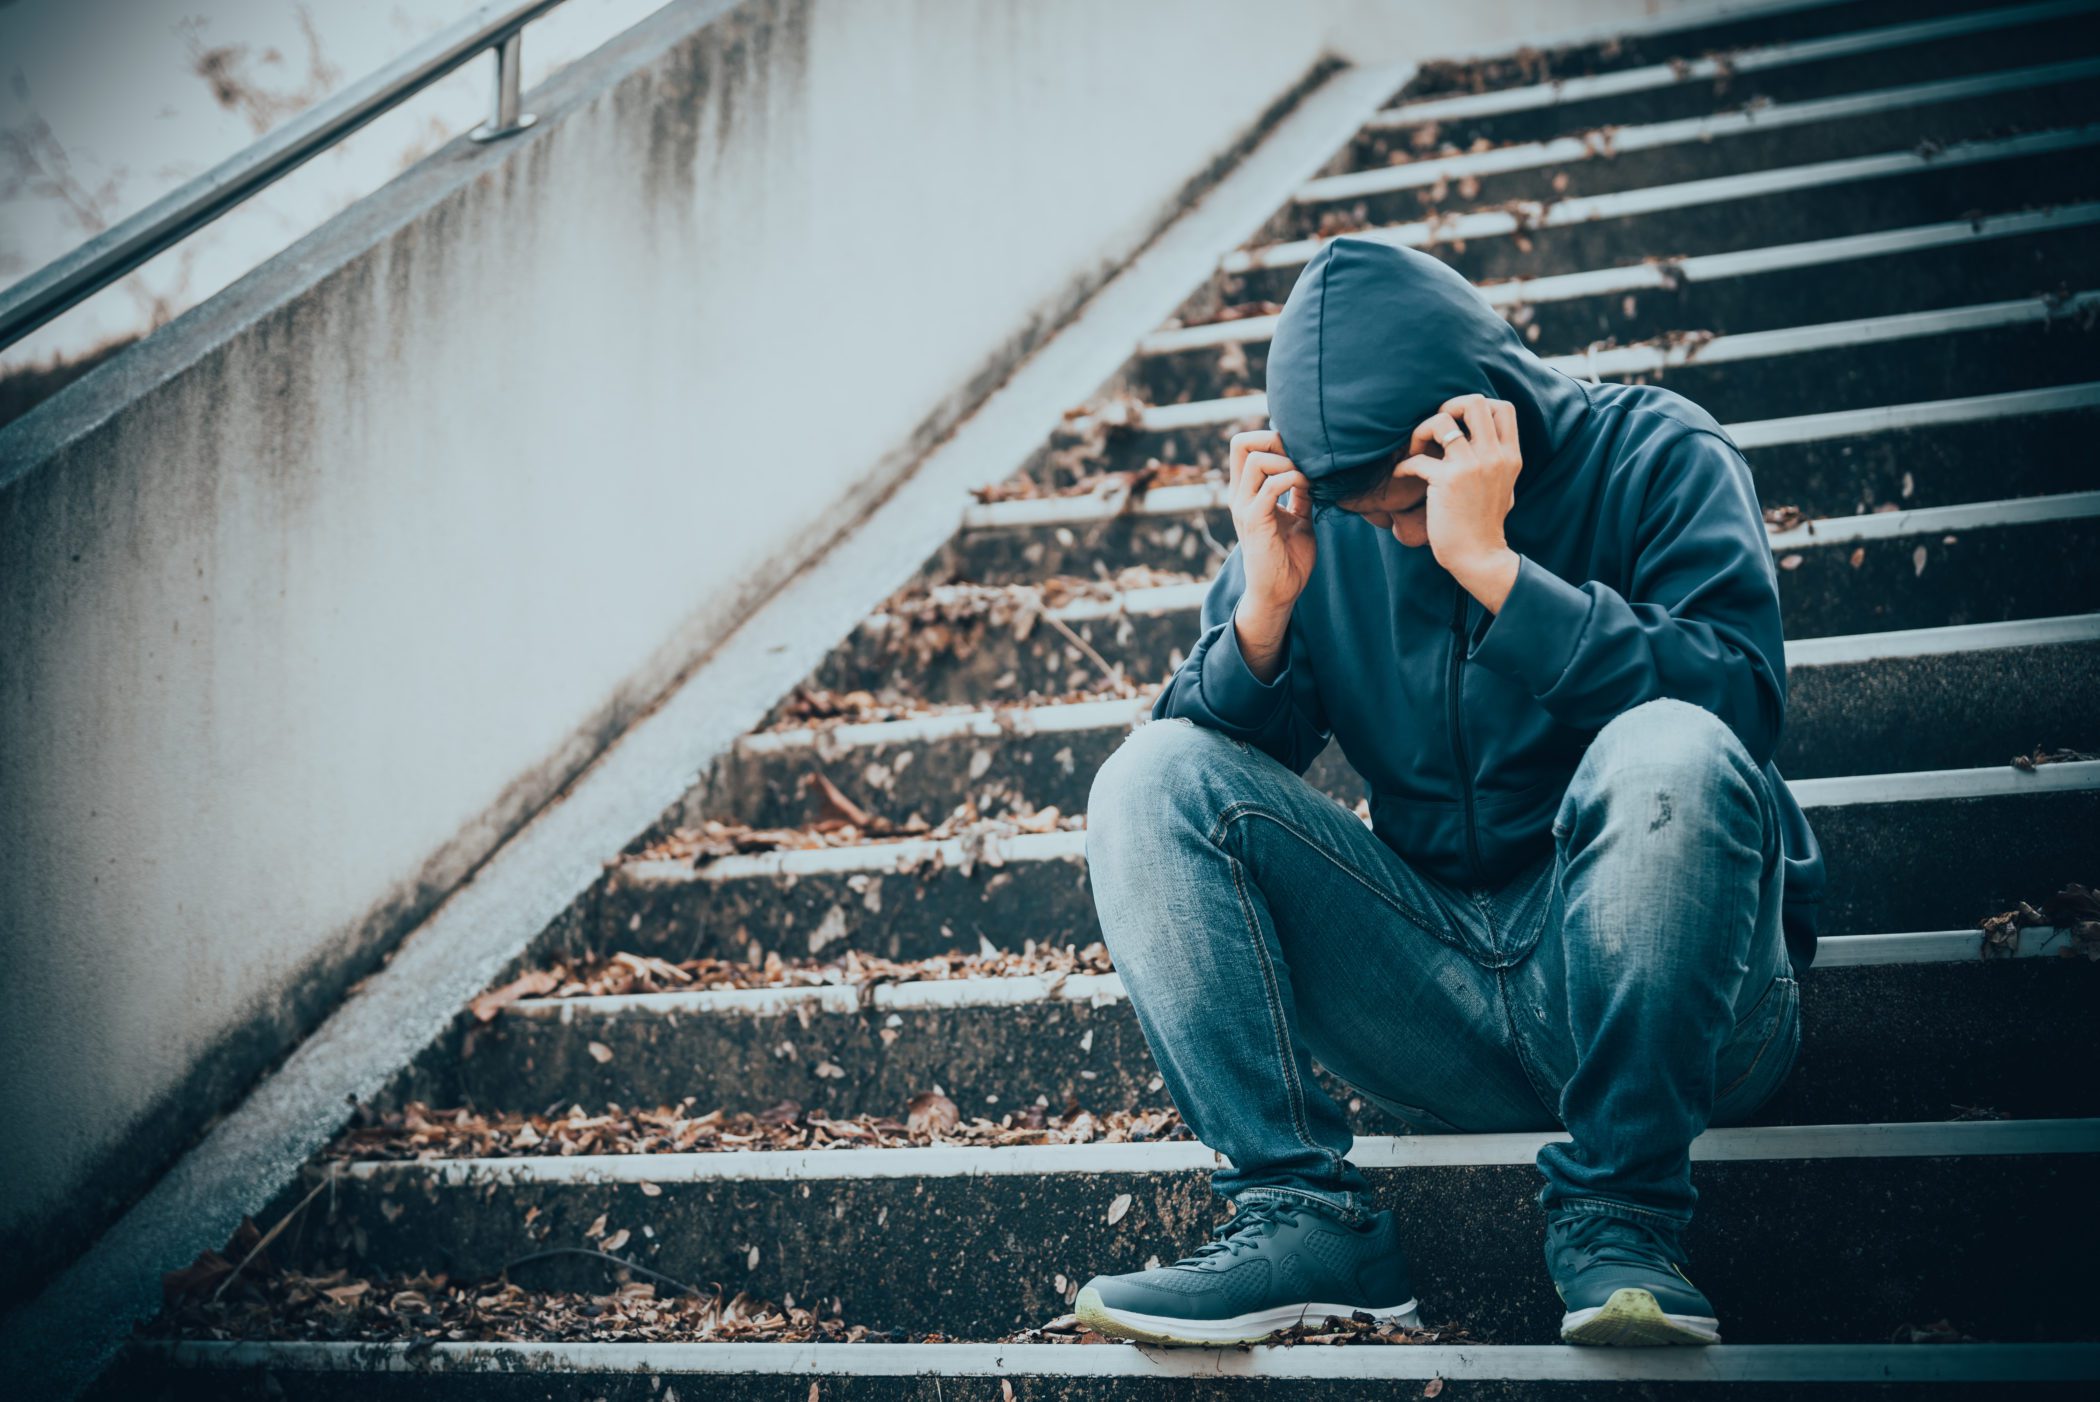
[1630,984]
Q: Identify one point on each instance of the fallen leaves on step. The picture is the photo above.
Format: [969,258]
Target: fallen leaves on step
[622,973]
[416,1131]
[1124,487]
[717,838]
[2042,754]
[2073,913]
[955,619]
[527,985]
[930,1113]
[825,711]
[336,1306]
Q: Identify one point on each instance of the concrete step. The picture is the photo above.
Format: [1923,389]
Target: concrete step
[1980,348]
[1052,1372]
[1894,1027]
[1805,1233]
[1929,698]
[1906,851]
[1702,82]
[1697,31]
[1923,268]
[1921,453]
[1982,562]
[1940,109]
[1888,189]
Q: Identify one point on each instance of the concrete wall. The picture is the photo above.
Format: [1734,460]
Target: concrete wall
[309,599]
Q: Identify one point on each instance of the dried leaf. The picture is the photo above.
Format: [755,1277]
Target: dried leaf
[527,985]
[930,1112]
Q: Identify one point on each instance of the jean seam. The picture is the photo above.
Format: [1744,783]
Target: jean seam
[1612,1207]
[1279,1026]
[1762,1047]
[1242,808]
[1349,1207]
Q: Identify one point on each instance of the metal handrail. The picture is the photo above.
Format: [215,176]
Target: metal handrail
[118,251]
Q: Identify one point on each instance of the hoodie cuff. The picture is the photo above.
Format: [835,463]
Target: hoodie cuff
[1534,637]
[1232,691]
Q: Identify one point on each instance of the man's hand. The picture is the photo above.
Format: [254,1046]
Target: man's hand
[1277,546]
[1471,489]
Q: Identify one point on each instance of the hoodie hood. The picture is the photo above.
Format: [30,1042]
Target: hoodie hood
[1373,339]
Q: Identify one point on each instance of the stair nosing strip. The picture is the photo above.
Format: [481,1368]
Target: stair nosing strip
[1933,785]
[1898,950]
[1736,1144]
[1823,531]
[1752,59]
[1584,209]
[1696,269]
[1865,1363]
[1519,156]
[1750,435]
[1777,343]
[1078,717]
[1844,790]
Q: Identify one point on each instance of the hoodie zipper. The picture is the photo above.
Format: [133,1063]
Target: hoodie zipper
[1458,728]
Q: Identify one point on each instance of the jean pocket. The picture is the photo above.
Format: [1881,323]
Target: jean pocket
[1760,1052]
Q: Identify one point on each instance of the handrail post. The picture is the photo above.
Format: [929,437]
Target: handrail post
[504,117]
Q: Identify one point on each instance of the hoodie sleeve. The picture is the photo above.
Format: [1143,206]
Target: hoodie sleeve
[1215,688]
[1700,621]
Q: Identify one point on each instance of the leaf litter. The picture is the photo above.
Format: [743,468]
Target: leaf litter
[813,708]
[2074,911]
[416,1131]
[622,972]
[428,1308]
[850,826]
[335,1306]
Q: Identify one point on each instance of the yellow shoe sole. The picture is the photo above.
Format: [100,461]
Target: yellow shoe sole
[1631,1318]
[1249,1328]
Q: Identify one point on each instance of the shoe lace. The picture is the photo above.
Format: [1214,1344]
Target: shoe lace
[1602,1238]
[1251,1224]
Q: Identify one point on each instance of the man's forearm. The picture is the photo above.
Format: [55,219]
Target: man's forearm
[1262,634]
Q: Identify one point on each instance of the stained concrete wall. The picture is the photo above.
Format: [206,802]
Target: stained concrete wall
[313,596]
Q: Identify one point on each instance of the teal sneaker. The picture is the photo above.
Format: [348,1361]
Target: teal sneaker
[1274,1263]
[1624,1283]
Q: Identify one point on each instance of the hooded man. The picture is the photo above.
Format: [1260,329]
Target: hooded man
[1584,893]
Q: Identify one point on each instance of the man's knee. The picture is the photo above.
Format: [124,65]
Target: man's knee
[1665,737]
[1673,771]
[1153,773]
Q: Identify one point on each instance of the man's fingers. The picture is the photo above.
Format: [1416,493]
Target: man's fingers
[1505,420]
[1429,469]
[1257,469]
[1442,430]
[1260,440]
[1477,413]
[1276,484]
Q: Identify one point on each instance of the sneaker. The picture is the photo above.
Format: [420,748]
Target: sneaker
[1624,1283]
[1274,1263]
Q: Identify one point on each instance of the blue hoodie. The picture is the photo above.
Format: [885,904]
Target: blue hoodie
[1644,572]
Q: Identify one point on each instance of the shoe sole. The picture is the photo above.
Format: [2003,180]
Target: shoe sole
[1248,1328]
[1631,1318]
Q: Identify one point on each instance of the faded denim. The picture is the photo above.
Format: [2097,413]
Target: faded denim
[1632,983]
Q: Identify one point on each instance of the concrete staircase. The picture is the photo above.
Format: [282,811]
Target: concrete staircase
[1866,241]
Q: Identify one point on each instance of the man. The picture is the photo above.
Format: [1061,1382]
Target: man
[1585,891]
